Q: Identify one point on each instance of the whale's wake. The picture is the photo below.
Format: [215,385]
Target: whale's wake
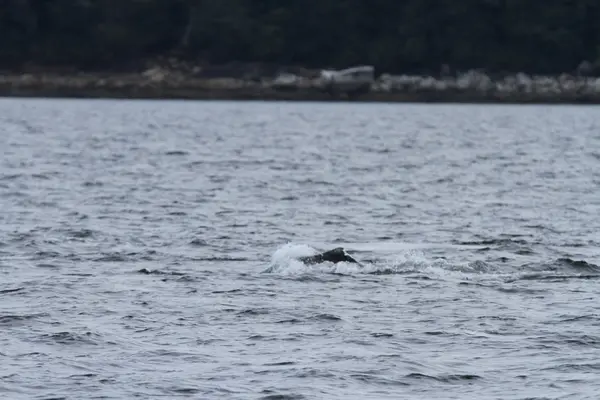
[290,259]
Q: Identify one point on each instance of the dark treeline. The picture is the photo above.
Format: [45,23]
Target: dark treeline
[537,36]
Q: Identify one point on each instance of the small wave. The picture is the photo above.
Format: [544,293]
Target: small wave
[290,321]
[72,338]
[79,376]
[7,291]
[251,311]
[178,213]
[148,255]
[314,278]
[584,340]
[578,265]
[257,337]
[146,271]
[592,367]
[525,251]
[281,363]
[550,276]
[10,177]
[14,318]
[276,396]
[542,228]
[519,290]
[80,233]
[199,243]
[227,291]
[572,340]
[378,379]
[314,373]
[569,319]
[111,258]
[444,378]
[186,390]
[382,335]
[313,182]
[92,184]
[44,177]
[205,342]
[492,242]
[220,259]
[35,354]
[18,237]
[55,398]
[47,254]
[440,333]
[326,317]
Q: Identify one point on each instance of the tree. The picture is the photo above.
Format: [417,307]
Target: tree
[550,36]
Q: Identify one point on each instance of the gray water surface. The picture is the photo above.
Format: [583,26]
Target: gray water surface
[147,250]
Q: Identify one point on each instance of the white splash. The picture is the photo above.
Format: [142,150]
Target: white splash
[285,261]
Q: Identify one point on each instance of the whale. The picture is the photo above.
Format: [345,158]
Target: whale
[335,256]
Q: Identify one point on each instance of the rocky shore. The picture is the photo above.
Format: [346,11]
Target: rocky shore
[161,83]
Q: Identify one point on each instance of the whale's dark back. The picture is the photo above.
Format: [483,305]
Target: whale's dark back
[335,256]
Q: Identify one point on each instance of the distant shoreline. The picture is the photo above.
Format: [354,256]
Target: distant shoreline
[235,95]
[133,87]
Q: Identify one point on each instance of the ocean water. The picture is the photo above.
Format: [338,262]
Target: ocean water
[148,249]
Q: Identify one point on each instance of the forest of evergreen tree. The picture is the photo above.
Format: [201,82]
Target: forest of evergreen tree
[396,36]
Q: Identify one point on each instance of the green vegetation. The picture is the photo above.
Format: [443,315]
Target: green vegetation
[397,36]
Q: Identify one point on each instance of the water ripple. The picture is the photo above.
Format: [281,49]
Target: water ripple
[149,249]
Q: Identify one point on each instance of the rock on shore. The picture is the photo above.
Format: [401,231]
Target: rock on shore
[158,82]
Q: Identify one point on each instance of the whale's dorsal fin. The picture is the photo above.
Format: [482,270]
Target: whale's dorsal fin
[335,256]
